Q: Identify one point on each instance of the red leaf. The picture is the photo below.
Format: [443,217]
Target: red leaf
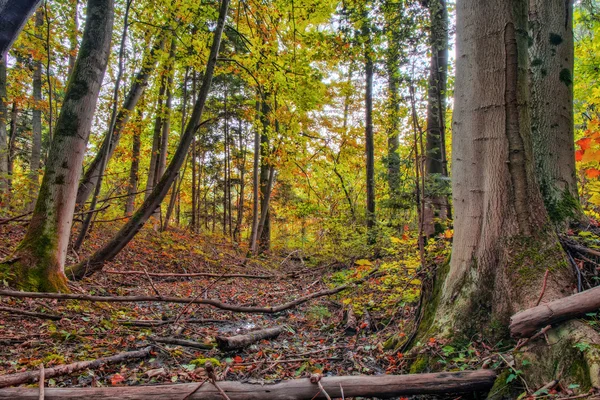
[579,155]
[237,359]
[592,173]
[116,379]
[584,143]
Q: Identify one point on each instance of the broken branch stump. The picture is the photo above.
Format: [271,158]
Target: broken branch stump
[32,376]
[296,389]
[525,323]
[241,341]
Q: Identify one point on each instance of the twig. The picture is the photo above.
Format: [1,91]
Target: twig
[152,284]
[190,275]
[342,392]
[41,380]
[195,390]
[537,335]
[543,288]
[30,313]
[316,378]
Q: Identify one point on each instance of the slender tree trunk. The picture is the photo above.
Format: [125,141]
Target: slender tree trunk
[264,225]
[73,36]
[138,86]
[166,117]
[132,187]
[242,170]
[255,184]
[36,121]
[38,261]
[393,134]
[3,133]
[12,138]
[128,231]
[194,221]
[225,166]
[551,71]
[502,242]
[436,204]
[369,146]
[156,139]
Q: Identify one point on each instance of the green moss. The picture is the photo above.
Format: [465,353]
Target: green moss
[501,389]
[536,62]
[432,304]
[566,77]
[555,39]
[579,372]
[200,362]
[561,209]
[423,363]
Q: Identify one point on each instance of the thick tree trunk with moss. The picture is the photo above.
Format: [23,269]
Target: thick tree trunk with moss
[39,260]
[551,65]
[138,86]
[436,202]
[13,16]
[503,241]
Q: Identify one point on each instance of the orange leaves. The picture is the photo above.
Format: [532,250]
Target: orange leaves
[584,143]
[592,173]
[579,155]
[238,359]
[116,379]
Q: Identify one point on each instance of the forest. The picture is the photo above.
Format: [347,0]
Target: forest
[299,199]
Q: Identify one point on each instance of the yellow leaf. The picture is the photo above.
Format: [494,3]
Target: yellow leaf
[363,262]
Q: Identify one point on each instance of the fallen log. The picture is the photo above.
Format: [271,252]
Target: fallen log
[525,323]
[184,300]
[297,389]
[33,376]
[160,322]
[182,342]
[240,341]
[17,311]
[191,275]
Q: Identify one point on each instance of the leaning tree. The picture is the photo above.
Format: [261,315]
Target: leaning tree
[504,243]
[38,262]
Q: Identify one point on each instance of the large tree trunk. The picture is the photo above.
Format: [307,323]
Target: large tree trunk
[3,133]
[266,170]
[139,84]
[551,56]
[38,262]
[128,231]
[36,122]
[13,16]
[436,204]
[502,241]
[393,133]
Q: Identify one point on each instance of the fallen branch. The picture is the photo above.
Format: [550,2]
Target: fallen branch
[527,322]
[30,313]
[241,341]
[32,376]
[183,300]
[182,342]
[190,275]
[297,389]
[158,322]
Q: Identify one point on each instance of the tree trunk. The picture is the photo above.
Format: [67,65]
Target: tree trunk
[128,231]
[132,187]
[73,36]
[551,71]
[3,133]
[166,117]
[255,185]
[138,86]
[12,138]
[13,16]
[502,244]
[36,121]
[393,134]
[264,225]
[39,260]
[242,170]
[436,204]
[369,146]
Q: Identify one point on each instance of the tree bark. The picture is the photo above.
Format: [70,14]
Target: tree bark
[551,70]
[38,261]
[36,120]
[128,231]
[132,187]
[369,145]
[32,376]
[138,86]
[3,133]
[383,386]
[264,224]
[436,204]
[13,16]
[255,185]
[502,241]
[240,341]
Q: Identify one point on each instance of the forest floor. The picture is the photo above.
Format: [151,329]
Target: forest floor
[316,337]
